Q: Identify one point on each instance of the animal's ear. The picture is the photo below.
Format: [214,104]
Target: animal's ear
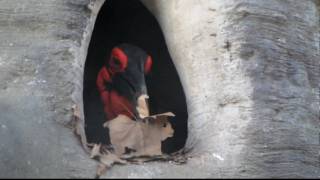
[118,61]
[148,65]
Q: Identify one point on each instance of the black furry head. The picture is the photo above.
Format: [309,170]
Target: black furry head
[129,64]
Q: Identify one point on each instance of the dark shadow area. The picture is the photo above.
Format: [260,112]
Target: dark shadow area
[128,21]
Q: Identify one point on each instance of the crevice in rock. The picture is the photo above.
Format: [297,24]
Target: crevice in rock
[128,21]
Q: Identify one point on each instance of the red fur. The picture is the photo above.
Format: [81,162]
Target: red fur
[118,54]
[148,65]
[118,105]
[113,103]
[103,77]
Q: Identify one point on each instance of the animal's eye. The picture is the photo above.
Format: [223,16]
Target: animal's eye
[148,65]
[116,62]
[165,125]
[119,60]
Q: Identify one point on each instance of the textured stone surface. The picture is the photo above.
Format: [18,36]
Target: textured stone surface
[43,48]
[250,70]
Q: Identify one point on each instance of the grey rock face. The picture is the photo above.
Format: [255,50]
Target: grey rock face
[250,71]
[43,48]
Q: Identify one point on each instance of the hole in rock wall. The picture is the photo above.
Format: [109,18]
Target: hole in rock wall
[128,21]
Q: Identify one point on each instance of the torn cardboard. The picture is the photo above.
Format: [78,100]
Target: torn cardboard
[143,137]
[132,141]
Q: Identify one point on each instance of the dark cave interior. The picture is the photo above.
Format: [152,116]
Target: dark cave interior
[128,21]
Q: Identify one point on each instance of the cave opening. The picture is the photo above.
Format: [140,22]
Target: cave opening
[128,21]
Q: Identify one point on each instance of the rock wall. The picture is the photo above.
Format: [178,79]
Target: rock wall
[250,71]
[43,49]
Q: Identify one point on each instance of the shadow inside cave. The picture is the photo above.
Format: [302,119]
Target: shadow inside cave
[128,21]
